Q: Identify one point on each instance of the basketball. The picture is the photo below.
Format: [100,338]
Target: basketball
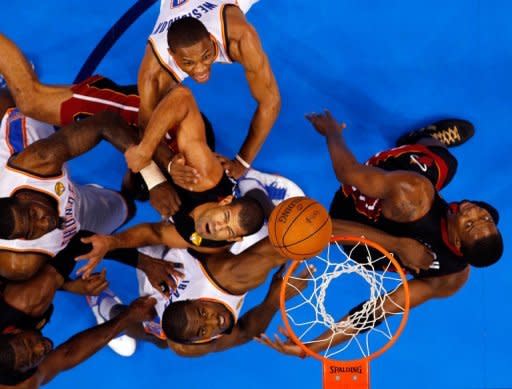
[299,228]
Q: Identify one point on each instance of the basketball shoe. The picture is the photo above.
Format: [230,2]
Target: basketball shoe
[277,188]
[101,307]
[450,132]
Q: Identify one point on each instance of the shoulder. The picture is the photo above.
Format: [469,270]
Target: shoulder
[20,266]
[241,34]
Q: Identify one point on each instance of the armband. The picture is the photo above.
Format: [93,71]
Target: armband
[152,175]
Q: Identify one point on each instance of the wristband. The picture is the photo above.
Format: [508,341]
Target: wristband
[242,161]
[152,175]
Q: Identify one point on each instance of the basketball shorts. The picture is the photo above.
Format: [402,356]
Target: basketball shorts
[433,162]
[101,210]
[97,94]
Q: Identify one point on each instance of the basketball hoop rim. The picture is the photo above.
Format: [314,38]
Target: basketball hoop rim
[396,335]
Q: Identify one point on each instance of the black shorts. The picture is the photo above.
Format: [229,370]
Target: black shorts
[433,162]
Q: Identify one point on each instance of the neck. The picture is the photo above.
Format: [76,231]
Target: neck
[450,229]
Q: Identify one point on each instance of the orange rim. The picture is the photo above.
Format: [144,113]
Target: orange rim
[403,321]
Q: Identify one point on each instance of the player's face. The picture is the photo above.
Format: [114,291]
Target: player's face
[474,222]
[196,60]
[30,348]
[33,219]
[220,222]
[206,320]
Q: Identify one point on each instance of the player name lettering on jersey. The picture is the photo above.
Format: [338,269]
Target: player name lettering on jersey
[181,286]
[198,12]
[70,224]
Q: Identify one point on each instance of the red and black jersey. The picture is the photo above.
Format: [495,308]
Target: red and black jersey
[436,164]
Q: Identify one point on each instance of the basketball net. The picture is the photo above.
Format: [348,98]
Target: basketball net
[368,329]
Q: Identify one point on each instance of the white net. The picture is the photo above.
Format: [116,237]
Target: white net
[337,322]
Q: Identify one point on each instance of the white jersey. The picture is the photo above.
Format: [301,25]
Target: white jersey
[197,284]
[16,132]
[210,13]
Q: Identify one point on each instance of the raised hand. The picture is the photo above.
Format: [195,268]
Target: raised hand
[285,346]
[232,167]
[91,286]
[165,199]
[100,246]
[161,274]
[182,174]
[136,159]
[325,122]
[414,255]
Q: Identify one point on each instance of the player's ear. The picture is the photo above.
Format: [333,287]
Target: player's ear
[226,200]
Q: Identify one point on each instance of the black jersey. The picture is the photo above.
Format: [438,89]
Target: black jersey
[190,200]
[435,163]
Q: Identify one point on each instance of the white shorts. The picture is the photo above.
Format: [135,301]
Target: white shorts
[100,210]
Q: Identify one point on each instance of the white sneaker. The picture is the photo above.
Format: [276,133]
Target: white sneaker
[123,344]
[278,188]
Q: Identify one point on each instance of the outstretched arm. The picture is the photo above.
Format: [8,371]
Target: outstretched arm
[406,195]
[420,290]
[46,156]
[169,114]
[248,51]
[147,234]
[411,253]
[372,181]
[83,345]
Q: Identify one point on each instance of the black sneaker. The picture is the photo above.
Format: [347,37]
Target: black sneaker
[450,132]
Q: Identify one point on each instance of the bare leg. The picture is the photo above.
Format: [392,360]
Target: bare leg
[39,101]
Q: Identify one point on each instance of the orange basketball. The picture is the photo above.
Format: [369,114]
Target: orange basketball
[299,228]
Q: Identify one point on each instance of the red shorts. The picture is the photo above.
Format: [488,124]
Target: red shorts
[97,94]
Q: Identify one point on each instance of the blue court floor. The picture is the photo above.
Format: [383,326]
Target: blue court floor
[384,67]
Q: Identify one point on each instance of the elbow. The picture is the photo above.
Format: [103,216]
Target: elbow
[273,105]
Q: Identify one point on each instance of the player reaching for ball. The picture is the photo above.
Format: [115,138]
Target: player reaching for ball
[207,308]
[397,191]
